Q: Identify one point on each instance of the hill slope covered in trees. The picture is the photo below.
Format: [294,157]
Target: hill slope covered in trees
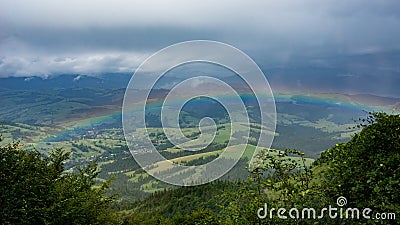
[365,171]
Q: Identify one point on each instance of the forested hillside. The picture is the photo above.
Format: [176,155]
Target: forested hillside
[365,171]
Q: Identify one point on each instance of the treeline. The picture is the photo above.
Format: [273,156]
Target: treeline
[170,206]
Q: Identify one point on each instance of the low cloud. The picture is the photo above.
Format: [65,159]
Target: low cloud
[51,37]
[91,64]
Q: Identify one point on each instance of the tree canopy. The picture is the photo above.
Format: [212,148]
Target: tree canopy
[36,190]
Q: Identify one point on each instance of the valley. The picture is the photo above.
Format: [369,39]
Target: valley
[87,122]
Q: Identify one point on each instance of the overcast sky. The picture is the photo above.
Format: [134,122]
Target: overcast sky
[52,37]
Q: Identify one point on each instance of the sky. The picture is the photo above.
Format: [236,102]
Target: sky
[351,40]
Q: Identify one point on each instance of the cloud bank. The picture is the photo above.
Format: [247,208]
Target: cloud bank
[95,36]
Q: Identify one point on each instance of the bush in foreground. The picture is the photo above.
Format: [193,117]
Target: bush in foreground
[36,190]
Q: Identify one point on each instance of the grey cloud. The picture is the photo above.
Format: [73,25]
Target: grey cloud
[84,64]
[53,36]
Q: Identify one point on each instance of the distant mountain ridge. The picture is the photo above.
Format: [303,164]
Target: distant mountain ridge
[105,81]
[121,80]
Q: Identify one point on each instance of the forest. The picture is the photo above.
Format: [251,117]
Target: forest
[364,171]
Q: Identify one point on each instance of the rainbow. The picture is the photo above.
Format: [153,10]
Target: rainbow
[82,126]
[348,102]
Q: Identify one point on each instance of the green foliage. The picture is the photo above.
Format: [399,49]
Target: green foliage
[366,169]
[36,190]
[286,172]
[182,205]
[279,178]
[198,217]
